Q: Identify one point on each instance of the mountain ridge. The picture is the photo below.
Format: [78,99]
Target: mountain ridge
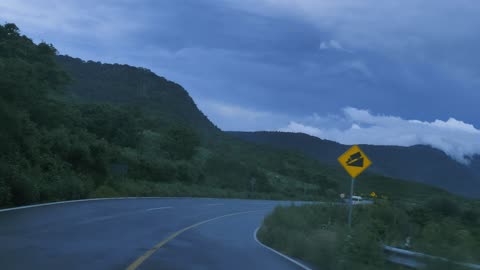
[439,170]
[137,86]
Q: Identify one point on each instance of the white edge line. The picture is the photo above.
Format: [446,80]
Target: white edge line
[159,208]
[85,200]
[116,198]
[92,220]
[279,253]
[214,204]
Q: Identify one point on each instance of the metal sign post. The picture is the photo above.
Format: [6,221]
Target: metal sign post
[354,161]
[351,204]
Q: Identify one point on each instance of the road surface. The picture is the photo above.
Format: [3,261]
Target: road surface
[161,233]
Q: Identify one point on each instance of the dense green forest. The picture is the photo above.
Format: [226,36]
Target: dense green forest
[73,129]
[165,100]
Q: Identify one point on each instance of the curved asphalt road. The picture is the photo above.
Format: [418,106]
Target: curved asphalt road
[138,234]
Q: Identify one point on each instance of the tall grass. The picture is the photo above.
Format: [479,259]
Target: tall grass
[318,233]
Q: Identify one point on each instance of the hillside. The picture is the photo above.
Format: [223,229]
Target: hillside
[420,163]
[124,84]
[76,129]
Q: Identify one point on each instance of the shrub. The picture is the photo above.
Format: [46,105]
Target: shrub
[443,206]
[181,143]
[104,192]
[296,230]
[5,194]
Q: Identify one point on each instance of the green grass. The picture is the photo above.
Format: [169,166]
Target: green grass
[318,233]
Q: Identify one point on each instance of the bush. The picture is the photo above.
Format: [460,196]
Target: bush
[24,190]
[181,143]
[186,173]
[316,234]
[443,206]
[104,192]
[361,249]
[471,217]
[5,194]
[295,229]
[64,186]
[155,170]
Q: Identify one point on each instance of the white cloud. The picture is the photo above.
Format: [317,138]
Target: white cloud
[88,19]
[234,117]
[361,67]
[353,65]
[456,138]
[332,45]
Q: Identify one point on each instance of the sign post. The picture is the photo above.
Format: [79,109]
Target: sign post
[354,161]
[350,204]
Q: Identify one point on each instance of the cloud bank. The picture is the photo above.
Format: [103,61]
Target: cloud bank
[332,45]
[456,138]
[233,117]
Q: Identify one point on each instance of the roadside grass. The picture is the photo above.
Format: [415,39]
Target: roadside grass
[139,188]
[318,234]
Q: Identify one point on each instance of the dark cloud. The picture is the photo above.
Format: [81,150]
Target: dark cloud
[289,58]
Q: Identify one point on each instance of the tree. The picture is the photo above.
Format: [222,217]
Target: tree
[181,143]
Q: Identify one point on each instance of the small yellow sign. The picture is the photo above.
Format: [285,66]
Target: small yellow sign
[373,194]
[354,161]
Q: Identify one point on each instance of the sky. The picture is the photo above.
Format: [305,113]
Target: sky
[378,72]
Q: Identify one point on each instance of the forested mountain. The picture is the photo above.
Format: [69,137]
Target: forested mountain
[124,84]
[420,163]
[73,129]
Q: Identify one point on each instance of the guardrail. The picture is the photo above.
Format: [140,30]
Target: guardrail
[418,260]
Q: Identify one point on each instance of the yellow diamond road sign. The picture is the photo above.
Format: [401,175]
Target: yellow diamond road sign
[354,161]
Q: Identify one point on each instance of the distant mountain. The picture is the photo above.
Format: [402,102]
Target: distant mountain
[124,84]
[475,163]
[420,163]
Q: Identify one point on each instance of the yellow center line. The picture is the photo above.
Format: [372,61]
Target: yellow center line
[149,253]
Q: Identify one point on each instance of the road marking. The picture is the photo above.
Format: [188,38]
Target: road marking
[105,199]
[99,219]
[87,200]
[279,253]
[149,253]
[103,218]
[159,208]
[214,204]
